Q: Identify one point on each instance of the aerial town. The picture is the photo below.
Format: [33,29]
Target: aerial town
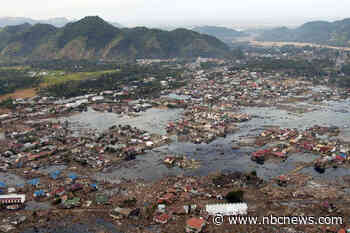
[216,135]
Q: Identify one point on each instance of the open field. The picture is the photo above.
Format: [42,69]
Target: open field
[297,44]
[21,93]
[56,77]
[14,67]
[52,78]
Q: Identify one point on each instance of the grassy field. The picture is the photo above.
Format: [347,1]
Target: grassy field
[51,78]
[56,77]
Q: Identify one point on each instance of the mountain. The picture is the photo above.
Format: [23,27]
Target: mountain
[12,21]
[57,22]
[322,32]
[222,33]
[94,38]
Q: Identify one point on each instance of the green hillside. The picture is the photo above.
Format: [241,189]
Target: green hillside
[322,32]
[94,38]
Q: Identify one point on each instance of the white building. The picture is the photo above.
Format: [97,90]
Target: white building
[227,209]
[12,199]
[97,98]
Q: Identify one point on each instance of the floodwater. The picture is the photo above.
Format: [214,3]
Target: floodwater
[178,97]
[215,156]
[219,155]
[2,136]
[153,120]
[66,226]
[33,205]
[327,115]
[11,179]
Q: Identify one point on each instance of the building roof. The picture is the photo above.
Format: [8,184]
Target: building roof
[196,223]
[21,197]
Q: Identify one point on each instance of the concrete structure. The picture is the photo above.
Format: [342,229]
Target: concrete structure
[227,209]
[12,199]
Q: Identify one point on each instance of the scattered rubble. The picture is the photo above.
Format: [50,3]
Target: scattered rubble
[181,162]
[35,136]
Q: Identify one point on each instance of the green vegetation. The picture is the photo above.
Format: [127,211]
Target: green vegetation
[313,68]
[7,103]
[12,79]
[98,32]
[336,33]
[114,81]
[94,39]
[73,66]
[57,77]
[26,42]
[15,76]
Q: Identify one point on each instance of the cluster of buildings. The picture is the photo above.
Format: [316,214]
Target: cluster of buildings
[34,140]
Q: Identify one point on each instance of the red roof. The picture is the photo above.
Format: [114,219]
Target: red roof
[325,149]
[307,146]
[59,191]
[168,198]
[163,218]
[282,178]
[261,153]
[171,190]
[196,223]
[338,157]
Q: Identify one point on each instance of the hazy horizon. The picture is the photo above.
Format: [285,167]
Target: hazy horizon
[157,13]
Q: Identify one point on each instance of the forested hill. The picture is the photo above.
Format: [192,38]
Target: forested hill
[321,32]
[94,38]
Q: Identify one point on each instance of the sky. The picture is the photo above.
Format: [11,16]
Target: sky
[234,13]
